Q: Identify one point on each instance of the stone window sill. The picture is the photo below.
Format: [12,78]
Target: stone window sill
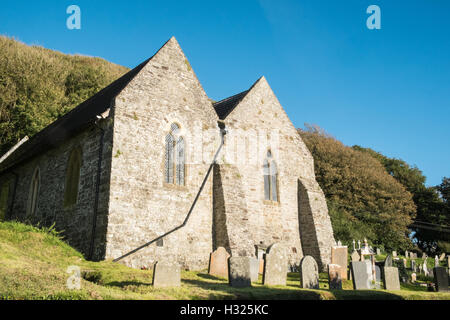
[271,203]
[171,186]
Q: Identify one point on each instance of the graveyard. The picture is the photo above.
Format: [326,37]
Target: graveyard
[34,262]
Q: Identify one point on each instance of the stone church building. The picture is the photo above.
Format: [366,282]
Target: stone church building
[123,168]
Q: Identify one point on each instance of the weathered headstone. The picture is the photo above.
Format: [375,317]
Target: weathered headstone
[355,256]
[436,261]
[424,267]
[406,254]
[334,277]
[339,256]
[394,254]
[442,257]
[391,278]
[404,262]
[413,277]
[424,255]
[309,273]
[254,269]
[440,279]
[361,275]
[275,265]
[239,274]
[166,274]
[413,265]
[420,268]
[378,251]
[388,261]
[377,273]
[218,263]
[260,255]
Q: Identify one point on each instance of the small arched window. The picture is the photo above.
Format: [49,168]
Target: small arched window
[34,191]
[72,177]
[270,178]
[174,171]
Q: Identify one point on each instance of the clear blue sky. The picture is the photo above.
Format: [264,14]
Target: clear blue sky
[386,89]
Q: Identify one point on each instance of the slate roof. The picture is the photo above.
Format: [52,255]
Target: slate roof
[72,122]
[225,106]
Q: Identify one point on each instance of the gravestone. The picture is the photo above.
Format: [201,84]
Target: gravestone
[413,277]
[260,255]
[275,266]
[361,275]
[391,278]
[414,256]
[166,274]
[413,266]
[339,256]
[424,255]
[355,256]
[404,262]
[406,254]
[424,267]
[388,261]
[377,273]
[334,277]
[440,279]
[420,268]
[309,273]
[448,262]
[254,269]
[239,274]
[218,263]
[436,261]
[394,254]
[442,257]
[378,251]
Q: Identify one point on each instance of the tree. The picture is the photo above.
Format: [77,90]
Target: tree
[363,199]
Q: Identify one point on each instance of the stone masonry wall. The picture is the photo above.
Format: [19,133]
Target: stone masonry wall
[232,228]
[142,205]
[261,117]
[76,221]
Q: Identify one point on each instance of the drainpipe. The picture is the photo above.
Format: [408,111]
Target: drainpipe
[97,187]
[223,132]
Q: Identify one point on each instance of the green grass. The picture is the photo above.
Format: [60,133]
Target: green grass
[33,264]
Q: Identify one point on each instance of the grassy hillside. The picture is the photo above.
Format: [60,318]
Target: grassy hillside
[33,264]
[38,85]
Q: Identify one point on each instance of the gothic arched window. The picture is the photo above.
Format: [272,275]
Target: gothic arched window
[175,159]
[33,195]
[270,178]
[72,177]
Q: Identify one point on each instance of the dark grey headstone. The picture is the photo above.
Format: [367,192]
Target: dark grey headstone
[309,273]
[275,265]
[239,274]
[166,274]
[361,275]
[391,278]
[441,279]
